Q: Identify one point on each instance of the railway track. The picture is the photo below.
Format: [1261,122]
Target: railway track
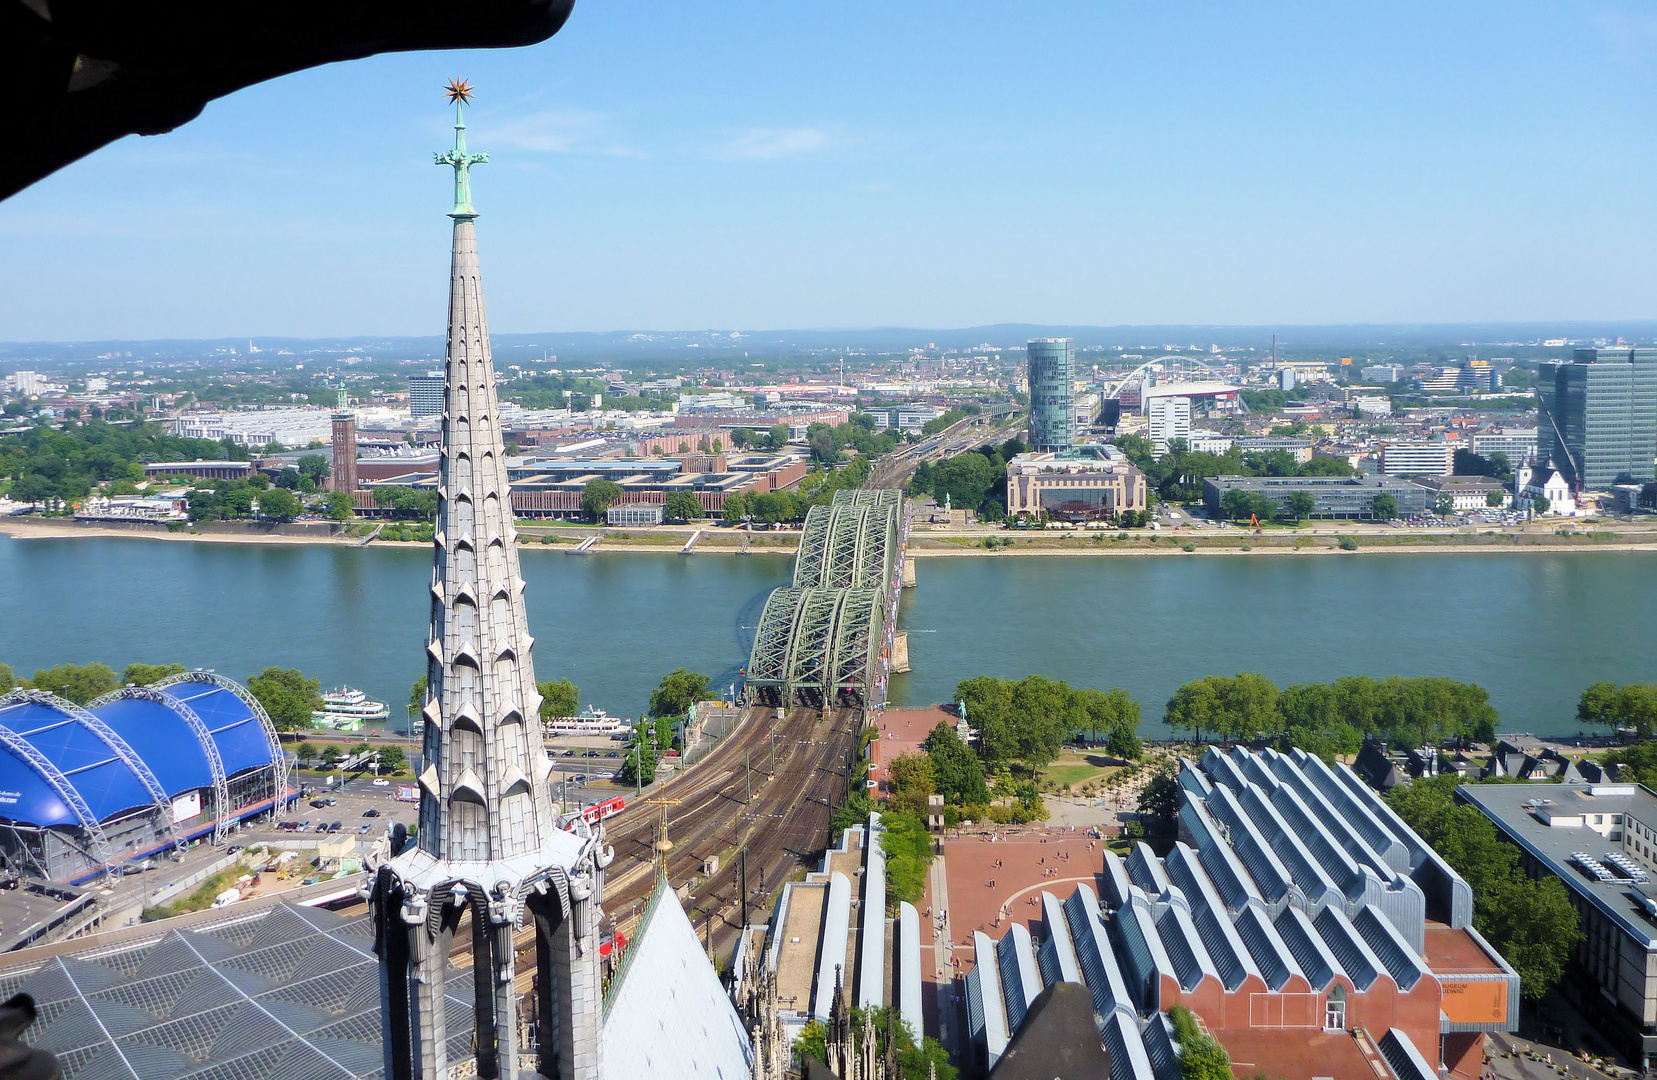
[730,801]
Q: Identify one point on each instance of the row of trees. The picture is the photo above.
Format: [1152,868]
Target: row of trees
[1028,720]
[391,758]
[1330,719]
[1239,505]
[81,683]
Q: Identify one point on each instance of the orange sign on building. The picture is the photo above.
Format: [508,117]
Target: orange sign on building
[1482,1002]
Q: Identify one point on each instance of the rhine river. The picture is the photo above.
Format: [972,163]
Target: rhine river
[1533,629]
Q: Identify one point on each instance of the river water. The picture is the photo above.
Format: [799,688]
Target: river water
[1534,629]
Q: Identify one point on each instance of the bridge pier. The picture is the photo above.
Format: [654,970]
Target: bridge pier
[908,579]
[900,652]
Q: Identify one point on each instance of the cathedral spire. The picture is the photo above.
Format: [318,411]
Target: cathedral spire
[489,842]
[485,796]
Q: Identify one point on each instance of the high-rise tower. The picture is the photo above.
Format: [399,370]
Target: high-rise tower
[489,841]
[1052,393]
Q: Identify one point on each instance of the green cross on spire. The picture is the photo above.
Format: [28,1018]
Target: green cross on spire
[460,92]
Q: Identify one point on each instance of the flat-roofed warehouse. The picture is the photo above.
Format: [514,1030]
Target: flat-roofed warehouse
[1600,839]
[134,773]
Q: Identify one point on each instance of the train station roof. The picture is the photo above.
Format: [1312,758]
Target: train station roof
[287,993]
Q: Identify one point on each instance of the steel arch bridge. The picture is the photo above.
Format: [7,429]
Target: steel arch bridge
[825,640]
[1137,375]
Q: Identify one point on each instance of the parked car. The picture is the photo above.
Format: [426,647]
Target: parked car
[319,804]
[371,812]
[365,828]
[336,826]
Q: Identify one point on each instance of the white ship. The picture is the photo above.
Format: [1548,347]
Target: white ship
[346,709]
[590,721]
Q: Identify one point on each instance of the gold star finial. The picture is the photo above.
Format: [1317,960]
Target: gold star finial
[458,90]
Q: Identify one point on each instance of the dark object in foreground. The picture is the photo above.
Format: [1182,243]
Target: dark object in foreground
[1058,1039]
[17,1061]
[96,70]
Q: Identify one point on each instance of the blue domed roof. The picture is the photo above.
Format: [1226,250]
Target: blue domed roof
[47,743]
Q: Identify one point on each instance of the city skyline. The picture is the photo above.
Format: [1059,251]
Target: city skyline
[757,168]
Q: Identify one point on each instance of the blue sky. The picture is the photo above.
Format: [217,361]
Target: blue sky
[774,165]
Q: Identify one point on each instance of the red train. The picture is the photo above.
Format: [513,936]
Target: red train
[597,812]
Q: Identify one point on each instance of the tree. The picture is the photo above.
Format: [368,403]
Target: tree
[911,781]
[339,505]
[598,496]
[313,467]
[956,772]
[417,696]
[1530,922]
[1200,1056]
[908,848]
[1238,708]
[8,681]
[735,508]
[821,444]
[79,683]
[1044,712]
[1113,719]
[1300,505]
[305,752]
[1384,507]
[638,764]
[331,756]
[1327,466]
[145,674]
[774,506]
[1539,504]
[967,480]
[280,504]
[1632,706]
[1494,498]
[392,759]
[988,703]
[777,437]
[677,692]
[287,695]
[1159,800]
[559,698]
[1235,505]
[742,438]
[1444,505]
[683,504]
[853,811]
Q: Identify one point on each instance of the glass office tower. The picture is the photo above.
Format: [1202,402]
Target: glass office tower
[1052,393]
[1597,417]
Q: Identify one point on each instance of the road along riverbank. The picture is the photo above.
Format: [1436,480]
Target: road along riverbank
[1319,539]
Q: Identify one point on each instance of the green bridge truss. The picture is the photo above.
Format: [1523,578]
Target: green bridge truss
[821,641]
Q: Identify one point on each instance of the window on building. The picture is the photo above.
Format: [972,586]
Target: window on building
[1334,1009]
